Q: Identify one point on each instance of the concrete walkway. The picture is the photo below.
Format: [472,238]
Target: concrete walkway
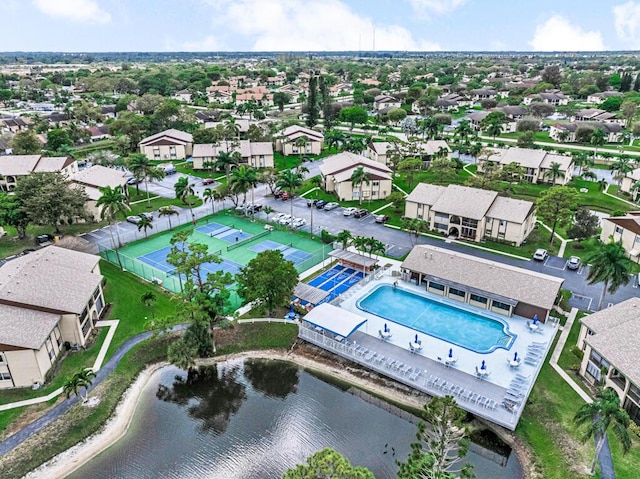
[112,325]
[606,192]
[605,459]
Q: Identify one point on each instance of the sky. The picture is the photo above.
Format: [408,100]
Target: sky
[319,25]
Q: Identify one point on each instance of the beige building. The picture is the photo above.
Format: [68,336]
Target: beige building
[12,167]
[471,213]
[625,229]
[629,181]
[498,287]
[286,142]
[48,297]
[426,150]
[94,178]
[609,339]
[536,164]
[167,145]
[257,154]
[336,174]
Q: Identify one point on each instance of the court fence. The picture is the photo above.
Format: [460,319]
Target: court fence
[237,244]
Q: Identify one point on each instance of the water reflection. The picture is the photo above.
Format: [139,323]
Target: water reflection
[210,396]
[275,379]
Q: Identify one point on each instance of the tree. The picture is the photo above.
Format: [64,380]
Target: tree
[26,143]
[585,224]
[356,144]
[601,415]
[353,115]
[184,190]
[629,110]
[597,139]
[149,299]
[142,169]
[328,464]
[554,172]
[557,206]
[289,181]
[360,176]
[334,139]
[397,199]
[267,280]
[464,132]
[552,74]
[312,102]
[301,144]
[409,167]
[182,354]
[494,129]
[526,140]
[168,211]
[57,139]
[610,266]
[442,443]
[242,180]
[226,160]
[145,223]
[396,115]
[415,226]
[49,199]
[79,381]
[344,237]
[621,167]
[442,170]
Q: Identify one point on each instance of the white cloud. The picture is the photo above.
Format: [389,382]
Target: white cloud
[74,10]
[558,34]
[309,25]
[207,44]
[435,7]
[627,22]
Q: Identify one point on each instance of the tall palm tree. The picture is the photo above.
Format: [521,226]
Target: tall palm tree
[145,223]
[184,190]
[464,131]
[78,382]
[635,188]
[226,160]
[289,181]
[355,144]
[429,127]
[267,211]
[209,195]
[301,144]
[359,177]
[360,243]
[621,167]
[168,211]
[610,266]
[554,172]
[334,138]
[111,202]
[599,416]
[494,129]
[597,139]
[242,180]
[581,159]
[344,237]
[138,164]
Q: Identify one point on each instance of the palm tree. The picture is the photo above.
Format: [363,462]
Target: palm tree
[78,382]
[602,184]
[301,144]
[267,211]
[143,169]
[635,187]
[242,180]
[145,223]
[209,194]
[581,159]
[359,177]
[376,247]
[494,129]
[463,131]
[289,181]
[335,138]
[621,167]
[111,202]
[554,172]
[184,190]
[344,237]
[599,416]
[597,139]
[168,211]
[360,243]
[225,160]
[429,127]
[590,175]
[356,144]
[149,299]
[610,266]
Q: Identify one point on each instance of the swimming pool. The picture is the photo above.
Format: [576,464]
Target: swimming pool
[477,332]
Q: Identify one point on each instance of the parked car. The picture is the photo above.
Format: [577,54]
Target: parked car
[284,196]
[320,204]
[311,203]
[382,218]
[277,194]
[133,181]
[277,217]
[573,263]
[361,213]
[44,239]
[298,222]
[208,181]
[331,206]
[285,220]
[133,219]
[349,211]
[540,254]
[146,215]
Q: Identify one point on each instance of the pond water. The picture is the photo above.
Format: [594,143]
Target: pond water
[254,420]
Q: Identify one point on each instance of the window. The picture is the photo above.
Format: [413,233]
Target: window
[440,226]
[376,183]
[619,230]
[499,305]
[50,350]
[478,299]
[2,360]
[457,292]
[5,376]
[503,223]
[638,239]
[58,336]
[436,286]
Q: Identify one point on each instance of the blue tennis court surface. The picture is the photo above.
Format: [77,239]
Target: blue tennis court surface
[158,260]
[233,236]
[213,229]
[295,255]
[291,254]
[267,245]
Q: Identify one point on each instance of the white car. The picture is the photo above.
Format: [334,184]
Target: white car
[331,206]
[298,222]
[349,211]
[277,217]
[540,254]
[285,220]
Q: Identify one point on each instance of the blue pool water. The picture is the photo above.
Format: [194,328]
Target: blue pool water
[476,332]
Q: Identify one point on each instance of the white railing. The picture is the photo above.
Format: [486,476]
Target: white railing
[267,320]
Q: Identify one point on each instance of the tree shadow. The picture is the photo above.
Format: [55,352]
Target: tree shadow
[275,379]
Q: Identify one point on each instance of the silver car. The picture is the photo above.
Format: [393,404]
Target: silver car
[573,263]
[331,206]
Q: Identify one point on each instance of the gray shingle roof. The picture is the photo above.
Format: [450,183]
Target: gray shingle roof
[336,163]
[178,135]
[529,287]
[25,328]
[617,336]
[510,209]
[18,165]
[426,194]
[465,202]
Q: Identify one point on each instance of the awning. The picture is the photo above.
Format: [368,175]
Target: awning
[334,319]
[634,252]
[309,293]
[353,258]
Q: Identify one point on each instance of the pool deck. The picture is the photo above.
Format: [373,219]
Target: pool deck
[430,362]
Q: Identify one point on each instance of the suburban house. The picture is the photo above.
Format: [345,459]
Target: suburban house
[12,167]
[536,163]
[385,102]
[426,150]
[183,95]
[566,132]
[260,99]
[600,97]
[479,282]
[97,133]
[257,154]
[629,181]
[167,145]
[483,94]
[286,141]
[14,124]
[336,174]
[47,298]
[471,213]
[596,115]
[625,229]
[609,339]
[94,178]
[553,97]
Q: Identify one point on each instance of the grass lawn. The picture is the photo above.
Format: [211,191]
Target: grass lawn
[155,203]
[539,238]
[428,176]
[582,248]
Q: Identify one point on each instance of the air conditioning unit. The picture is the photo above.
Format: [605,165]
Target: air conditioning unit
[166,157]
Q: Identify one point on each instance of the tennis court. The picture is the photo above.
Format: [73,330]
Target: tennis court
[158,259]
[267,245]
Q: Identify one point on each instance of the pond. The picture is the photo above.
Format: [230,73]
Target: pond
[257,418]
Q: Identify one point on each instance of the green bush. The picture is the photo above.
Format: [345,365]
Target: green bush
[327,237]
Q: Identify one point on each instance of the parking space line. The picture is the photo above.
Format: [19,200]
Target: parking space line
[580,270]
